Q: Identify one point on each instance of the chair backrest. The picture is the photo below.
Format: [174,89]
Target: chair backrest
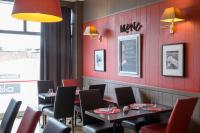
[101,87]
[9,116]
[69,82]
[44,85]
[64,102]
[90,99]
[180,117]
[124,96]
[55,126]
[29,120]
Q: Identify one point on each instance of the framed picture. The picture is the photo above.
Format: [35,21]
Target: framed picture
[173,59]
[100,60]
[129,57]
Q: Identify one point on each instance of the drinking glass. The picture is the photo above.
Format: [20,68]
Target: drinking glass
[50,92]
[153,101]
[110,107]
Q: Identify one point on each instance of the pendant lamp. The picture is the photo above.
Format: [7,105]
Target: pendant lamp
[37,10]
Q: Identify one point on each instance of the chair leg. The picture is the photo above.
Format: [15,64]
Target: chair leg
[75,115]
[72,124]
[64,120]
[44,119]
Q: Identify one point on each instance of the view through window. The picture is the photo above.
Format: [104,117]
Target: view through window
[19,58]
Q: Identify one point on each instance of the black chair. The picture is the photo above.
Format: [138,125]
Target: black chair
[9,116]
[101,87]
[63,105]
[92,99]
[55,126]
[126,97]
[43,87]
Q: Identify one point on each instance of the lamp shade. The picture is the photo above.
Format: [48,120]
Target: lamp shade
[171,14]
[37,10]
[91,30]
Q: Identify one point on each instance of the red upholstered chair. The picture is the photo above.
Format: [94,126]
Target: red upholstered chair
[69,82]
[29,120]
[179,119]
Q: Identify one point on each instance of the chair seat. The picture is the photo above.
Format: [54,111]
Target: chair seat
[77,101]
[49,111]
[44,105]
[154,128]
[98,128]
[134,124]
[55,126]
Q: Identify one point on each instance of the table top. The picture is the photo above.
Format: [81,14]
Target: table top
[46,96]
[131,114]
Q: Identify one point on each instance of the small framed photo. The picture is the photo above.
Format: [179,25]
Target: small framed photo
[129,55]
[173,59]
[100,60]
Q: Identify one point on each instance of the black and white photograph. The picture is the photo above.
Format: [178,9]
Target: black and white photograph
[99,60]
[173,60]
[129,55]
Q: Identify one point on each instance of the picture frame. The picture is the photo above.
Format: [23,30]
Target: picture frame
[173,60]
[129,55]
[100,60]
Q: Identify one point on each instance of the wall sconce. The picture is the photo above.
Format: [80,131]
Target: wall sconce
[37,10]
[171,15]
[92,31]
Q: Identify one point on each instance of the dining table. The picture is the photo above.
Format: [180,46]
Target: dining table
[133,113]
[50,96]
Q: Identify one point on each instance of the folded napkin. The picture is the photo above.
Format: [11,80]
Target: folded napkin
[107,111]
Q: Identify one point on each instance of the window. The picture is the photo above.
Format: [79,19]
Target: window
[19,58]
[7,22]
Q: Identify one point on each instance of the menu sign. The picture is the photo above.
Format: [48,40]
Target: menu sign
[129,55]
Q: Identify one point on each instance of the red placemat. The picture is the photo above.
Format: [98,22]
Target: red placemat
[107,111]
[152,109]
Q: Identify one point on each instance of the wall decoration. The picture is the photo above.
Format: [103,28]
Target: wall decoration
[173,59]
[100,60]
[129,55]
[130,27]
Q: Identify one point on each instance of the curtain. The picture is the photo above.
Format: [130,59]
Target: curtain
[56,49]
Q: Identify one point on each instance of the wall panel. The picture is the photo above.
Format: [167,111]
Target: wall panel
[153,37]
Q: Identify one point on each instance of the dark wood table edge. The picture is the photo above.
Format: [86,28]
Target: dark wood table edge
[151,113]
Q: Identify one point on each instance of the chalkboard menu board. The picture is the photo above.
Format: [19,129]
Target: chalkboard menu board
[129,55]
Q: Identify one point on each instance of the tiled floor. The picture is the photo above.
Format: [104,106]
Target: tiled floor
[78,129]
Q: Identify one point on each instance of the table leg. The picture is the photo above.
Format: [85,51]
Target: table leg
[117,128]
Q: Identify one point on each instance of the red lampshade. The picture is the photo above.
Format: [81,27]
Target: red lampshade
[37,10]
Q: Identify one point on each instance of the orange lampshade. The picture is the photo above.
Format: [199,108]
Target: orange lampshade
[171,14]
[91,30]
[37,10]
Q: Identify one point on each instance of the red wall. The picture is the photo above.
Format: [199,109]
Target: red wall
[153,38]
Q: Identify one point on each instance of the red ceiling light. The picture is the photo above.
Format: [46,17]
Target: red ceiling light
[37,10]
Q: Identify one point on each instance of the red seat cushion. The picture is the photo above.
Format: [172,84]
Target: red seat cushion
[154,128]
[77,101]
